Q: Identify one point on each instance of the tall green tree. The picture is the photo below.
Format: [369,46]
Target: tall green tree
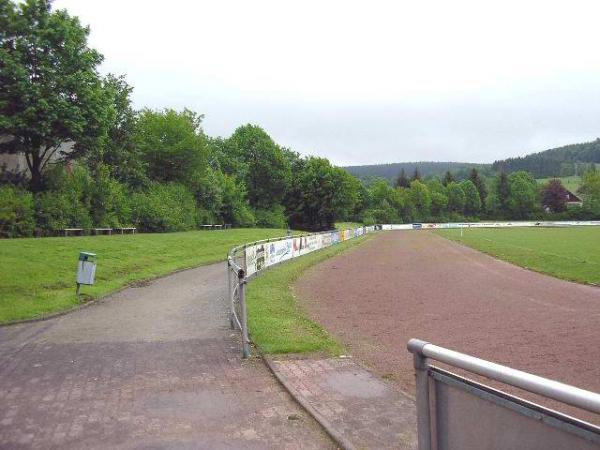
[456,198]
[448,178]
[50,91]
[472,199]
[523,194]
[120,151]
[172,144]
[402,180]
[319,194]
[416,175]
[503,192]
[479,184]
[268,170]
[420,198]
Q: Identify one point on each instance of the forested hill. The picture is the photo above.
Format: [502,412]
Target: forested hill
[564,161]
[426,168]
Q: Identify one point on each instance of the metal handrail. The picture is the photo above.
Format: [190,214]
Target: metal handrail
[571,395]
[237,289]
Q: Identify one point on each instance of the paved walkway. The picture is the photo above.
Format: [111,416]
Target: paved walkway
[364,410]
[151,367]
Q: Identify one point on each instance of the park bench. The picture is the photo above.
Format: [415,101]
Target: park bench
[226,226]
[217,226]
[206,227]
[97,231]
[72,231]
[124,230]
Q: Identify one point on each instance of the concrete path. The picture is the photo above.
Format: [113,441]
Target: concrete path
[154,366]
[363,411]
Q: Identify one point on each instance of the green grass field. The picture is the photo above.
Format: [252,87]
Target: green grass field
[571,183]
[567,253]
[37,276]
[277,323]
[347,225]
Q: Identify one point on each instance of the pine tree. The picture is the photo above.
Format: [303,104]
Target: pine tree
[503,191]
[402,180]
[416,175]
[479,184]
[448,178]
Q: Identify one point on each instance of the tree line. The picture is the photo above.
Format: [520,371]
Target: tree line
[574,159]
[93,160]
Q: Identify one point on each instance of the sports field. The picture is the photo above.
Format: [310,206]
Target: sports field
[416,284]
[37,276]
[569,253]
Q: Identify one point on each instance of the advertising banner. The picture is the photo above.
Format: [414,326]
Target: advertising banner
[256,258]
[335,237]
[279,251]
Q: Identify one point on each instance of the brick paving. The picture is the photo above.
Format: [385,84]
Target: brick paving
[365,410]
[152,367]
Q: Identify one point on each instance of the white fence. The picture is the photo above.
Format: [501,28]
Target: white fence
[424,226]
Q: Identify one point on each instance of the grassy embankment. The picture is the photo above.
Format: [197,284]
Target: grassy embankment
[572,183]
[37,276]
[567,253]
[277,323]
[347,225]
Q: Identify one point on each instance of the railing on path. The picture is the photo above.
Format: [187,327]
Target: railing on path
[457,413]
[245,261]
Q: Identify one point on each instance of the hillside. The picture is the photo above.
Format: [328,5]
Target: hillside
[562,161]
[426,168]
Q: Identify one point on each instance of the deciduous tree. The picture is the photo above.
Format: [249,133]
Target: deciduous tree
[50,91]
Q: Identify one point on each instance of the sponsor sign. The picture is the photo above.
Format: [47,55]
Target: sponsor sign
[256,258]
[279,251]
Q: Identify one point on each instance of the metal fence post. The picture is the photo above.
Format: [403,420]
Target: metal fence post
[422,381]
[230,298]
[244,318]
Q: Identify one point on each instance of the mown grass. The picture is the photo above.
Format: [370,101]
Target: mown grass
[347,225]
[37,276]
[568,253]
[572,183]
[277,323]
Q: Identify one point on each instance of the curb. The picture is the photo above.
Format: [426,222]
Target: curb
[337,437]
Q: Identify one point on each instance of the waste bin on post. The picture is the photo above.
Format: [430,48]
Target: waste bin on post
[86,269]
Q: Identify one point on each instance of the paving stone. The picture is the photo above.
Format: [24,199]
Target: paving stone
[368,412]
[154,367]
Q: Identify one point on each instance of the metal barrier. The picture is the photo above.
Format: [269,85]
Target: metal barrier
[454,413]
[247,260]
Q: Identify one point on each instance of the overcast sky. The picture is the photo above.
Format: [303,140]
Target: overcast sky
[365,82]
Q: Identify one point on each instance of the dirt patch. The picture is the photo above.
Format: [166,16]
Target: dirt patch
[416,284]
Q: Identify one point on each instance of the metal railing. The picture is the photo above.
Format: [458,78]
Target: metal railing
[425,373]
[238,273]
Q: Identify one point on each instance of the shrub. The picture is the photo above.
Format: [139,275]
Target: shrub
[109,201]
[16,212]
[271,218]
[164,207]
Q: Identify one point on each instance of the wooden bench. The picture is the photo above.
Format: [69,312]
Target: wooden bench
[72,231]
[206,227]
[124,230]
[217,227]
[97,231]
[227,226]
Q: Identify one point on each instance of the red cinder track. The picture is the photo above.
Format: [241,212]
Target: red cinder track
[406,284]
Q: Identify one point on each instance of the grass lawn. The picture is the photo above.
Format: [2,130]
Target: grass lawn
[571,183]
[37,276]
[347,225]
[568,253]
[276,322]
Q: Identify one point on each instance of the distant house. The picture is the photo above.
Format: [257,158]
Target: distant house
[572,199]
[16,162]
